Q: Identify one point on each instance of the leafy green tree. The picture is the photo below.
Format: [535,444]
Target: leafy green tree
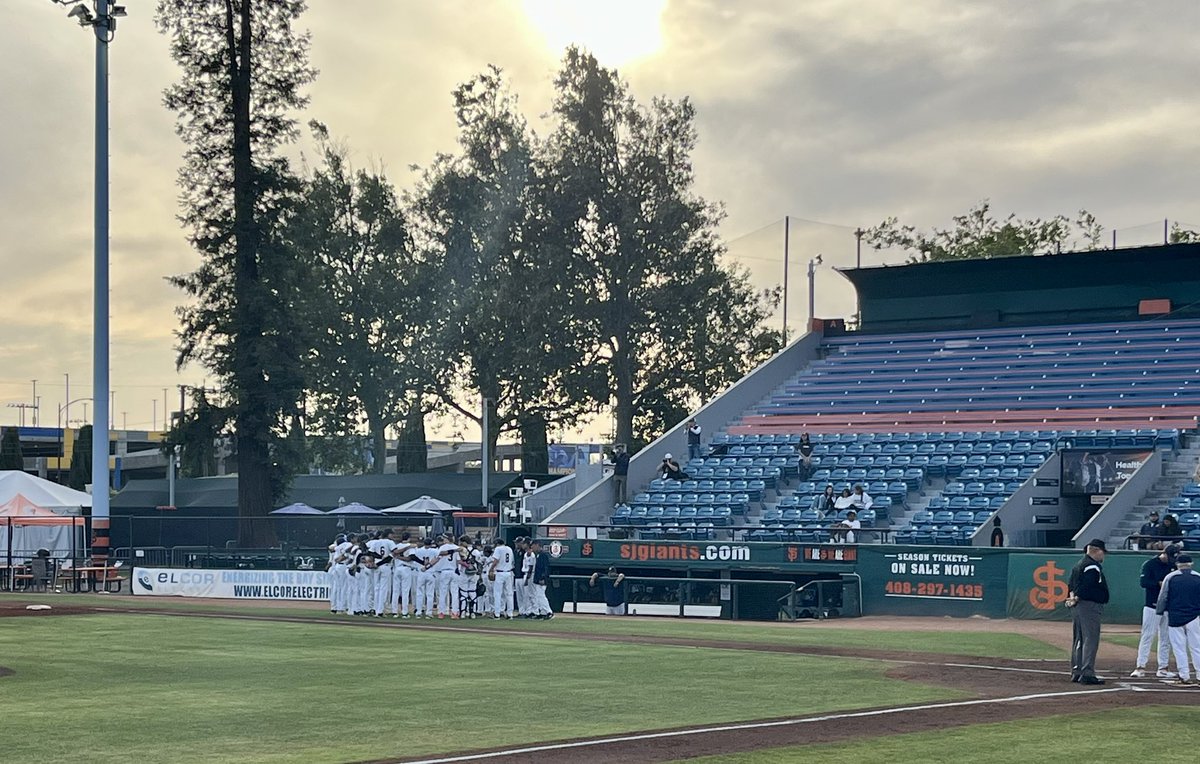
[509,322]
[244,68]
[370,301]
[80,474]
[1181,235]
[198,435]
[10,450]
[671,322]
[979,234]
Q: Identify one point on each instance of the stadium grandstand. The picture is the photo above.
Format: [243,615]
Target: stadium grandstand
[960,397]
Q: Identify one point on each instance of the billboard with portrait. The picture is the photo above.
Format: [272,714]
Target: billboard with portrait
[1098,473]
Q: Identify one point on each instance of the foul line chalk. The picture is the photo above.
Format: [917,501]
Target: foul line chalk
[756,725]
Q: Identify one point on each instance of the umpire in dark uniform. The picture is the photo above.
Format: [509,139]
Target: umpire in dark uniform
[1087,597]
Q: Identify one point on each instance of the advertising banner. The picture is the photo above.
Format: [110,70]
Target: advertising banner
[704,554]
[1038,586]
[232,584]
[913,580]
[1099,473]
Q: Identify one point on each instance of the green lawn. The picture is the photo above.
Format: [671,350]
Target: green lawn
[117,688]
[946,642]
[1105,736]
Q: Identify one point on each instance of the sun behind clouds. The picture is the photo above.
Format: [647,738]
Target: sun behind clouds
[616,31]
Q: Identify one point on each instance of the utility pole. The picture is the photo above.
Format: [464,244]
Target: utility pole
[786,241]
[858,234]
[35,404]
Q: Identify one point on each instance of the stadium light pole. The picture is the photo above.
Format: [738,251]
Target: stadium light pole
[483,459]
[102,21]
[812,290]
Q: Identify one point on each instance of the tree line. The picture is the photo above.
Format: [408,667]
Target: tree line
[558,274]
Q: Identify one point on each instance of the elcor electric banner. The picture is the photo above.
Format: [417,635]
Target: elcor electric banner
[232,584]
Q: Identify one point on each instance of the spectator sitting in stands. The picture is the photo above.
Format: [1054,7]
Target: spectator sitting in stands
[671,469]
[845,501]
[828,502]
[806,452]
[1149,529]
[1169,531]
[844,530]
[862,500]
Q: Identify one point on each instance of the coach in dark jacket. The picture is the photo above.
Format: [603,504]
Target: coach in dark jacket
[1154,571]
[1087,597]
[1180,600]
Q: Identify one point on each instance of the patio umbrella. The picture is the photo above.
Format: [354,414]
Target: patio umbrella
[298,508]
[422,505]
[354,509]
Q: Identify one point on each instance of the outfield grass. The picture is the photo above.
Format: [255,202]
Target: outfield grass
[948,642]
[117,688]
[1140,734]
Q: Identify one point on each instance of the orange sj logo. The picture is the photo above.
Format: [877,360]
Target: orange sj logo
[1048,587]
[792,554]
[587,549]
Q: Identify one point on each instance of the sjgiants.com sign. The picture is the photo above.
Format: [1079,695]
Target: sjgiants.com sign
[642,552]
[683,554]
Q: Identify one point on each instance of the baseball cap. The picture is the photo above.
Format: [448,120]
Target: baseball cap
[1099,544]
[1183,559]
[668,456]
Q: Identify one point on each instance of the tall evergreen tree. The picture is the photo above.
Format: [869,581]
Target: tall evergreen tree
[10,450]
[244,68]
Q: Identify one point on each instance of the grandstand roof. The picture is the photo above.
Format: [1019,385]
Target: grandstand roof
[1028,290]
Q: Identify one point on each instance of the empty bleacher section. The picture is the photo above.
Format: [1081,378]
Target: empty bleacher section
[939,428]
[962,381]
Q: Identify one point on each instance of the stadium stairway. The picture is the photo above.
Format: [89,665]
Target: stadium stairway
[1178,470]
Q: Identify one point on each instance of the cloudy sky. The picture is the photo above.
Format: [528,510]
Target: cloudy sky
[835,113]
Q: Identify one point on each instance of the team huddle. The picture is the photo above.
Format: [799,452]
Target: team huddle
[373,574]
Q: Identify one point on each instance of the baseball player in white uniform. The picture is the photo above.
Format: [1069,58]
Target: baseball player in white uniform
[363,562]
[463,563]
[445,569]
[337,572]
[525,600]
[425,580]
[404,572]
[500,571]
[383,571]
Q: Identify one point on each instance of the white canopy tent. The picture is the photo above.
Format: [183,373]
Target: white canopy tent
[38,514]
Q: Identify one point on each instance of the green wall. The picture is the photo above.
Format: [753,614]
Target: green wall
[896,580]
